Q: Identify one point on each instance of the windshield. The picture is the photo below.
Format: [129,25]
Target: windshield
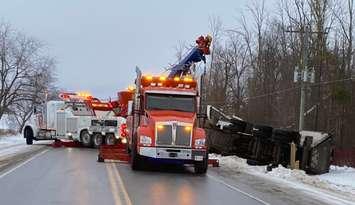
[183,103]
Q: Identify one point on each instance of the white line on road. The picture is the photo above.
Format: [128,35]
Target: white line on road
[236,189]
[120,182]
[113,184]
[23,163]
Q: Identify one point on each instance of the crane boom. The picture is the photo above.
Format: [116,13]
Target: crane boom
[196,55]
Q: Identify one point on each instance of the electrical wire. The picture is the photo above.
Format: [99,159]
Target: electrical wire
[289,89]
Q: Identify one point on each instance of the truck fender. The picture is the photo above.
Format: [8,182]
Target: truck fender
[34,129]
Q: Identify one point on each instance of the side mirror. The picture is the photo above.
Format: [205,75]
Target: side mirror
[34,110]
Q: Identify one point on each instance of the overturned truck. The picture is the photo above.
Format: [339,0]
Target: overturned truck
[265,145]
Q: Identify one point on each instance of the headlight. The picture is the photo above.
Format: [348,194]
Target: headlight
[188,128]
[145,140]
[200,142]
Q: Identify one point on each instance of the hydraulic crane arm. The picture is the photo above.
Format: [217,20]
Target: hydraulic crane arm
[196,55]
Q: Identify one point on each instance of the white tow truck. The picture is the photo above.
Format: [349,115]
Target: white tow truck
[78,117]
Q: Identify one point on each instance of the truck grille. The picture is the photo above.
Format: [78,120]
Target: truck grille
[173,134]
[182,136]
[164,135]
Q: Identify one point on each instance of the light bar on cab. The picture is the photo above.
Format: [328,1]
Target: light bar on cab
[186,82]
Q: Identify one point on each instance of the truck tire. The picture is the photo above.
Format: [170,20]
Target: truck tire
[28,134]
[110,139]
[201,167]
[286,136]
[86,139]
[136,160]
[97,140]
[262,131]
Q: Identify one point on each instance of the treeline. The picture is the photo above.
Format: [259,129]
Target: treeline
[26,73]
[251,72]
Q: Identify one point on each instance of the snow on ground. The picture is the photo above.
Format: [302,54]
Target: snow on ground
[12,144]
[343,177]
[340,180]
[4,122]
[11,140]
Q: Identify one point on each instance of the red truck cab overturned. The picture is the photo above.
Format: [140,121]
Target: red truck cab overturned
[162,122]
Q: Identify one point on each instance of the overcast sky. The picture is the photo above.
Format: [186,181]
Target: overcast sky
[98,43]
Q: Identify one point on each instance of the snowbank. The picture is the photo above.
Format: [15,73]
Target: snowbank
[343,177]
[339,179]
[10,145]
[11,140]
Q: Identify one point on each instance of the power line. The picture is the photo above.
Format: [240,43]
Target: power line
[288,89]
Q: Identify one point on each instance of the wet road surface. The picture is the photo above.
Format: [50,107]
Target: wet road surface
[72,176]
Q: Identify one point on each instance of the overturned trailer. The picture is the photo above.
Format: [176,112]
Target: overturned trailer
[264,145]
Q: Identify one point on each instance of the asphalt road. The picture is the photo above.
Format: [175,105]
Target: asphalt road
[72,176]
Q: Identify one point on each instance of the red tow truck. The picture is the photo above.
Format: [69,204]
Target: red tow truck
[163,123]
[162,118]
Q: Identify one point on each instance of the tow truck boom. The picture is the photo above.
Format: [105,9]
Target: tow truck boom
[196,55]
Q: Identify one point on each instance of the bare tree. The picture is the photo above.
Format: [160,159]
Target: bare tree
[18,53]
[26,74]
[39,87]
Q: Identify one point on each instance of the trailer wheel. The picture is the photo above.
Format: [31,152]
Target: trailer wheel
[86,139]
[28,134]
[97,140]
[201,167]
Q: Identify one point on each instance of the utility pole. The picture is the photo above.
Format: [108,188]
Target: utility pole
[304,64]
[302,73]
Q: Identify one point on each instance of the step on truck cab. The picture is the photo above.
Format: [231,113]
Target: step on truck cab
[163,125]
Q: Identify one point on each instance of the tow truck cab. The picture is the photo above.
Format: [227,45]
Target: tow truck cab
[164,127]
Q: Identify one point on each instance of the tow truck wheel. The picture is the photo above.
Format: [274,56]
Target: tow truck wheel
[110,139]
[135,159]
[201,167]
[86,139]
[28,135]
[97,140]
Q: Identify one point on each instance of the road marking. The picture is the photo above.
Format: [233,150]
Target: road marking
[23,163]
[120,182]
[113,184]
[238,190]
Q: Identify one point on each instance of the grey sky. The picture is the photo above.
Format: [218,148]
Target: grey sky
[97,44]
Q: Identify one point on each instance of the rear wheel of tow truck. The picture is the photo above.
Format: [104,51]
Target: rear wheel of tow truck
[201,167]
[28,134]
[97,140]
[86,139]
[110,139]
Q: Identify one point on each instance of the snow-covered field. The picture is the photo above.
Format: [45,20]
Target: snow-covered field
[339,182]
